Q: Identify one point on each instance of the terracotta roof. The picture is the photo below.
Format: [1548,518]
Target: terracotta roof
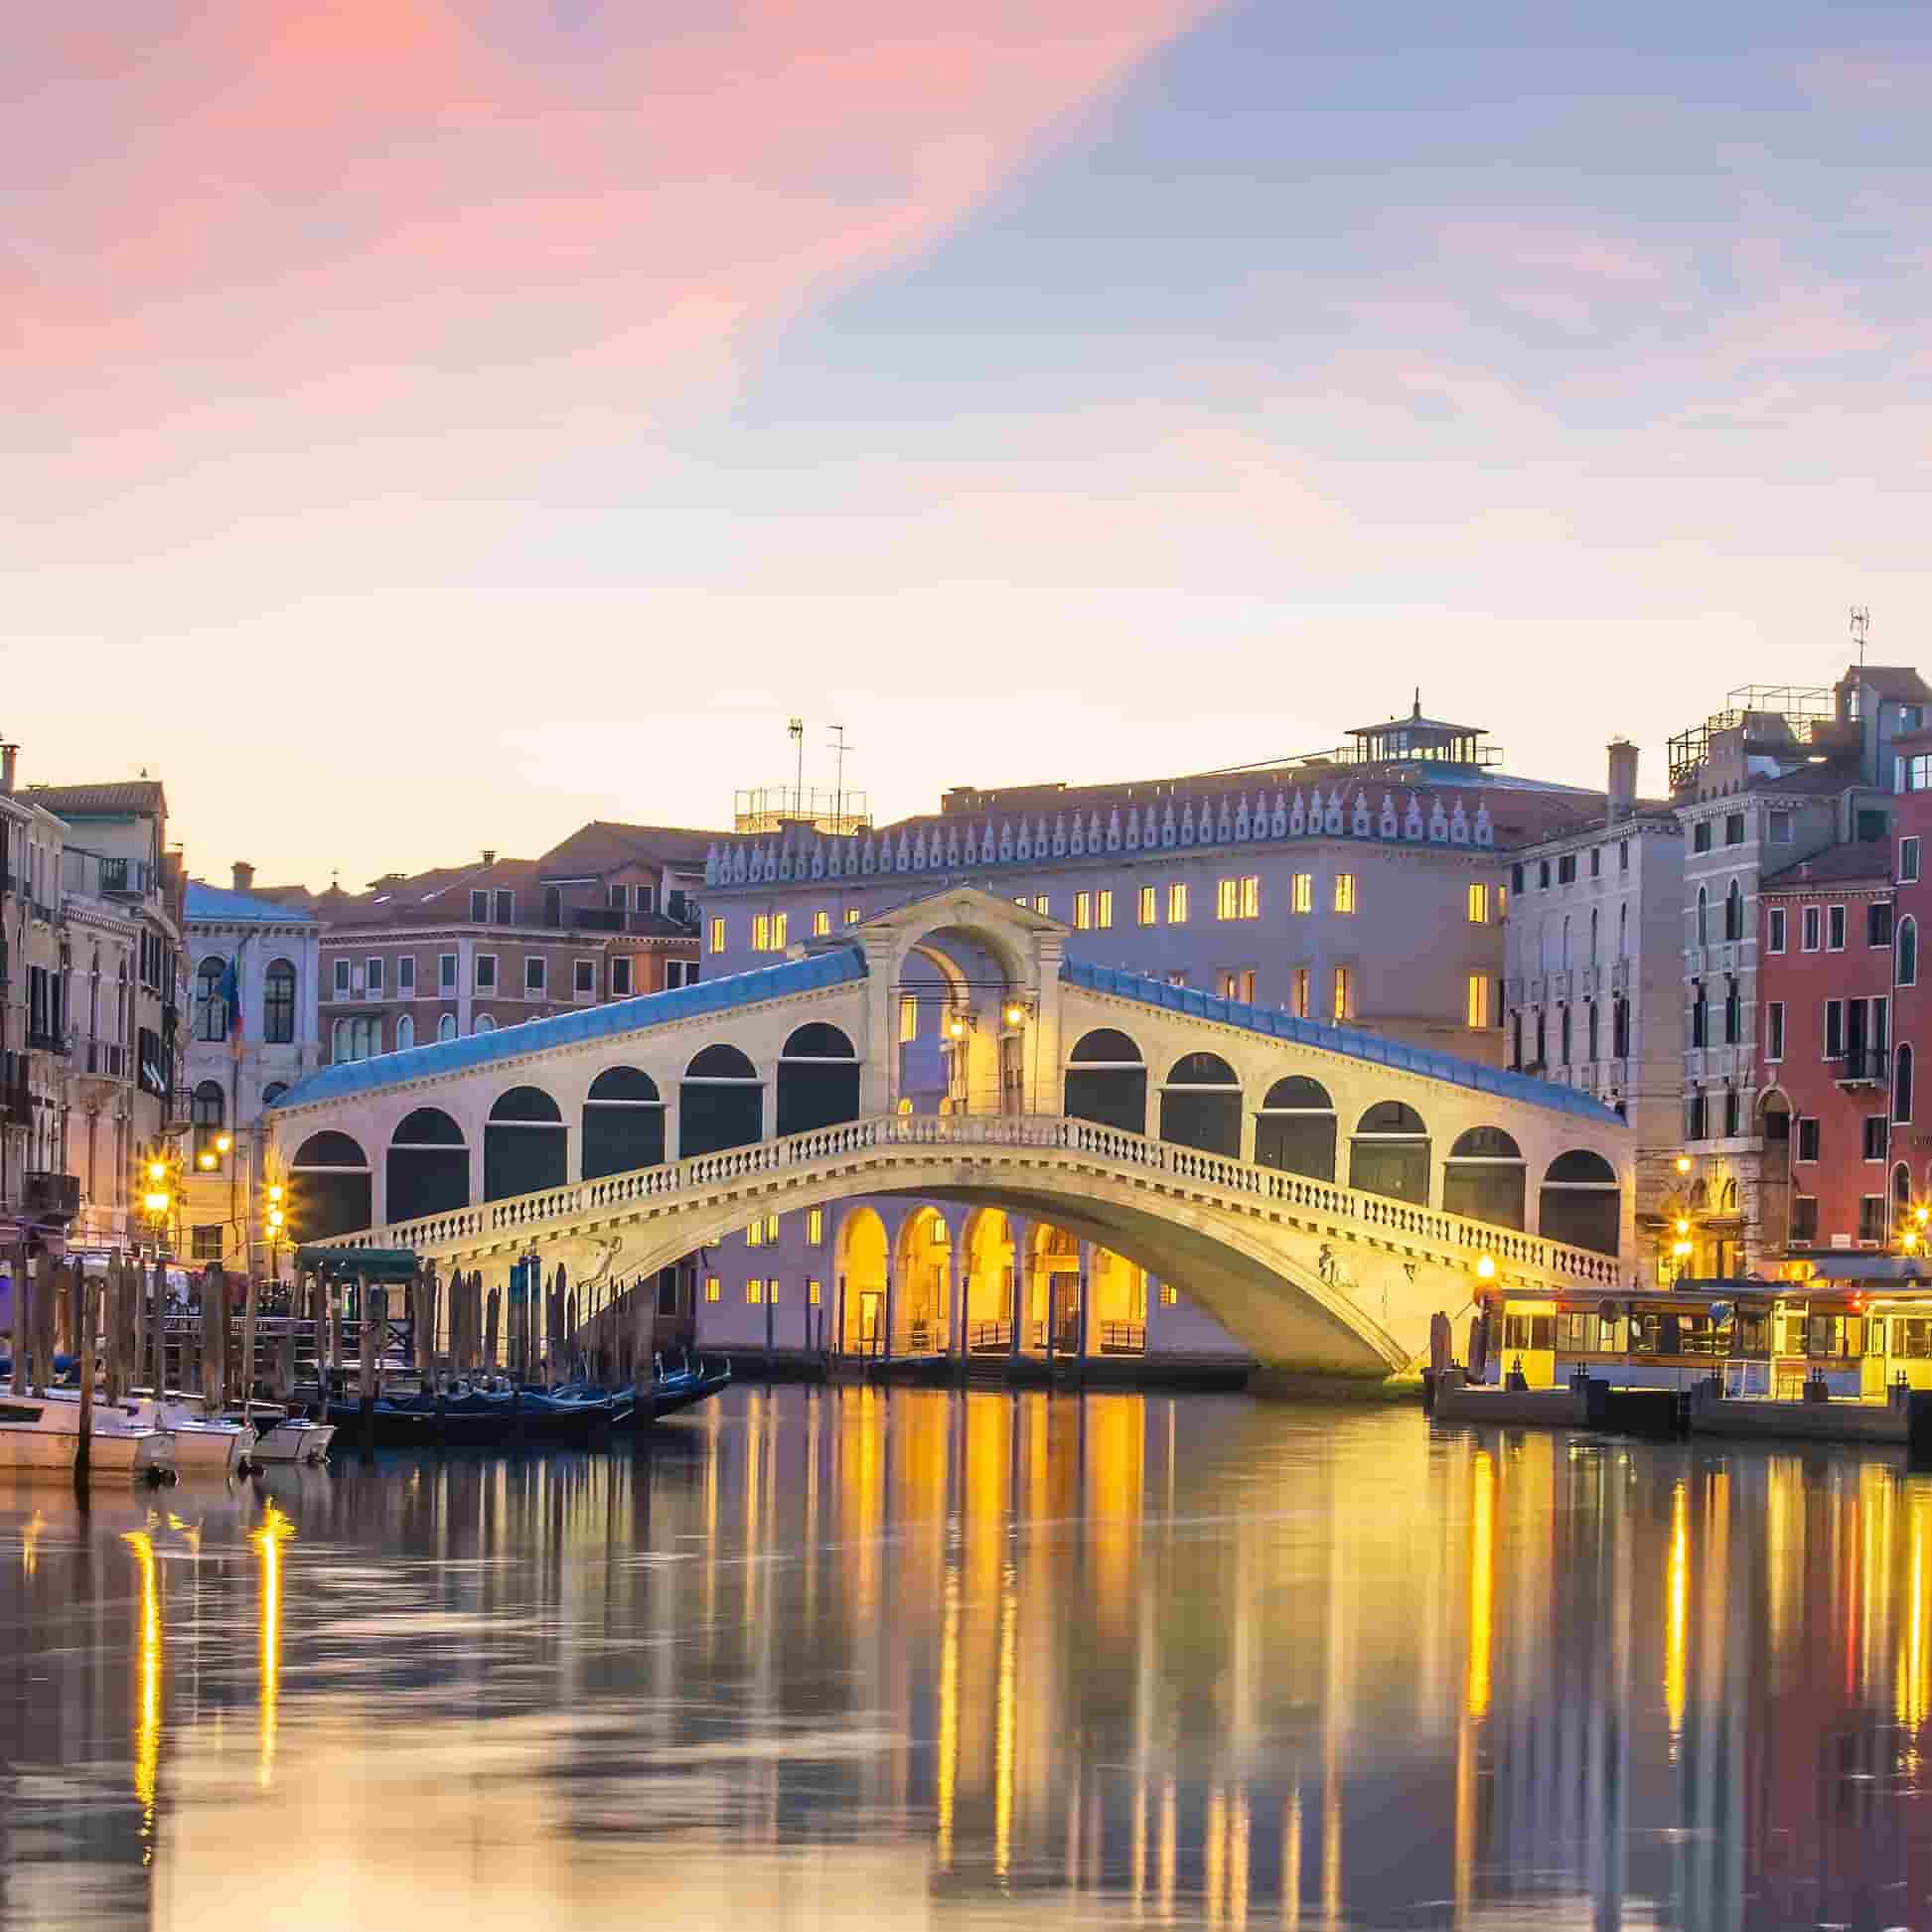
[434,896]
[606,845]
[1869,858]
[124,794]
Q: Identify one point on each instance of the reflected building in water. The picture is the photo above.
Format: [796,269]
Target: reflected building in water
[919,1653]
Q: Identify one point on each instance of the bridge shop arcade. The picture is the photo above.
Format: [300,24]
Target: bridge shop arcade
[1224,1180]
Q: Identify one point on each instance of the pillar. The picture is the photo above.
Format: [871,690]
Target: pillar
[768,1106]
[954,1301]
[1086,1302]
[1022,1230]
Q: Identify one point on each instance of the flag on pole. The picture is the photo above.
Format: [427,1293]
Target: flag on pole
[231,994]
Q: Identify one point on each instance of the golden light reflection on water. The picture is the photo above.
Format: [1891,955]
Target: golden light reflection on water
[147,1697]
[275,1530]
[894,1658]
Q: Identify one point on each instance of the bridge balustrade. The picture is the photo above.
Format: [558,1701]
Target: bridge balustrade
[703,1174]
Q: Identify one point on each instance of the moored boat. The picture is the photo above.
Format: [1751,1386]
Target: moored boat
[41,1436]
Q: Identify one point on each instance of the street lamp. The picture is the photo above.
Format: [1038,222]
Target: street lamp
[1683,1163]
[1485,1268]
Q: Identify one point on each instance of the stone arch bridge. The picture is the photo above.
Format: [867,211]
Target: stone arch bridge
[1319,1189]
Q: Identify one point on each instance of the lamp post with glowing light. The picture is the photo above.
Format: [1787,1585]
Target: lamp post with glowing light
[273,1221]
[158,1199]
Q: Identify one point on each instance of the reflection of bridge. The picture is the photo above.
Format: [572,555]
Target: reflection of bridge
[1232,1150]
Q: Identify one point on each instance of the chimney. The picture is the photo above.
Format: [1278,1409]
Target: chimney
[9,758]
[489,857]
[245,876]
[1623,780]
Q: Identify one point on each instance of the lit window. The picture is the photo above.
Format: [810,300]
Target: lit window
[851,914]
[1146,914]
[814,1225]
[711,1290]
[813,1293]
[1305,892]
[778,931]
[907,1018]
[1344,891]
[1082,910]
[1239,984]
[755,1292]
[1103,910]
[1177,904]
[1169,1295]
[761,933]
[755,1235]
[820,924]
[1251,896]
[1237,898]
[1479,905]
[770,1231]
[1343,1003]
[717,936]
[1019,899]
[1300,1003]
[1478,999]
[1040,906]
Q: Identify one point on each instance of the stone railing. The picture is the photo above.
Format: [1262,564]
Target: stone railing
[1457,1240]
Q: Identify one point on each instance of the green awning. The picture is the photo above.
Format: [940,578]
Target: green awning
[345,1264]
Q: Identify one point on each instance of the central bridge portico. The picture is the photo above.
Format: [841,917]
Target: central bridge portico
[1322,1190]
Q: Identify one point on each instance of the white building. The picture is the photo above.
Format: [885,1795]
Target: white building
[274,951]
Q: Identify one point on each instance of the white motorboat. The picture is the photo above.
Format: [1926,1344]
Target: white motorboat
[282,1438]
[41,1434]
[204,1445]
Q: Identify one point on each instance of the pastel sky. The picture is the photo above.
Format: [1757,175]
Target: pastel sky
[431,423]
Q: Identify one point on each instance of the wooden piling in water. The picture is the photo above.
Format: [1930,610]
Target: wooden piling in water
[492,1323]
[250,1315]
[47,1288]
[365,1300]
[82,1289]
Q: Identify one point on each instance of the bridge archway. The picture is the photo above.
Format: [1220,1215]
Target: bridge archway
[428,1165]
[921,1283]
[986,1262]
[1388,1154]
[622,1123]
[1295,1128]
[860,1256]
[526,1145]
[721,1103]
[1107,1081]
[1580,1203]
[1200,1105]
[1483,1177]
[818,1079]
[330,1187]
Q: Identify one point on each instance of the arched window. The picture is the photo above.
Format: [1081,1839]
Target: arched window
[360,1038]
[273,1092]
[1902,1085]
[1200,1105]
[484,1024]
[428,1165]
[1735,912]
[329,1188]
[1623,931]
[405,1033]
[1295,1130]
[1594,922]
[1908,952]
[818,1079]
[207,1110]
[1582,1202]
[211,1009]
[278,1004]
[446,1027]
[1388,1154]
[1566,942]
[1482,1178]
[1704,917]
[721,1103]
[623,1122]
[526,1146]
[1107,1081]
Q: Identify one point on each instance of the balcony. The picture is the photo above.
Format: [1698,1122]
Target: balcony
[597,919]
[1864,1067]
[105,1057]
[53,1198]
[45,1040]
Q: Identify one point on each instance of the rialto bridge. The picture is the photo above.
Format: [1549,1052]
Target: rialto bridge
[1322,1190]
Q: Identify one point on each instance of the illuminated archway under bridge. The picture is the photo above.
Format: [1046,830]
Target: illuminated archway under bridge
[1311,1186]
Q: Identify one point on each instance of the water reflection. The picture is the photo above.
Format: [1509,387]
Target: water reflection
[913,1658]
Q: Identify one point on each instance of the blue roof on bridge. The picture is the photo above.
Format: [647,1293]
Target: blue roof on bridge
[835,967]
[1358,1045]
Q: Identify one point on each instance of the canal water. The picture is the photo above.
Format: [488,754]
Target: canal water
[827,1659]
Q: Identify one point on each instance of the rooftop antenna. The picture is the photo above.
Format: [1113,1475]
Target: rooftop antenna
[1860,623]
[841,748]
[795,732]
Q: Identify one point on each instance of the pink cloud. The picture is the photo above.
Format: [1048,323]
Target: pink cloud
[282,224]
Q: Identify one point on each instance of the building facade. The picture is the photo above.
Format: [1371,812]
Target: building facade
[1775,778]
[1592,975]
[1366,886]
[264,958]
[609,914]
[1827,976]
